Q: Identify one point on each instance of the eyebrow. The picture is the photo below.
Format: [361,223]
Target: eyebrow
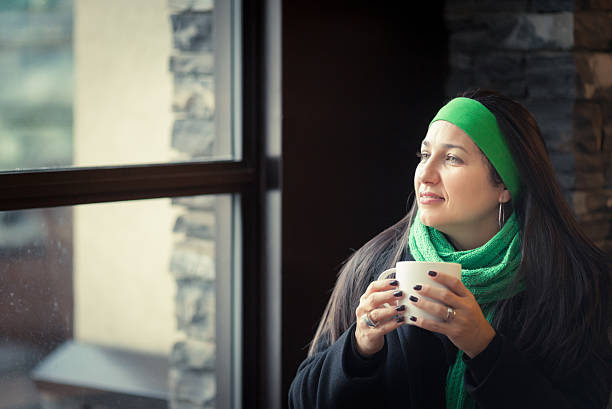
[447,145]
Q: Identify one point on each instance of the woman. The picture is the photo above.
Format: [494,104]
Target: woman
[525,327]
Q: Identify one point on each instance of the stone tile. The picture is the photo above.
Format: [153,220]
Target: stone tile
[190,5]
[594,75]
[195,137]
[552,5]
[553,31]
[550,75]
[193,31]
[597,229]
[197,224]
[589,180]
[193,259]
[180,404]
[608,175]
[195,309]
[581,5]
[193,354]
[589,162]
[588,202]
[555,119]
[192,387]
[201,63]
[470,6]
[562,163]
[606,114]
[479,32]
[206,202]
[588,126]
[593,30]
[201,329]
[501,71]
[194,95]
[606,109]
[542,31]
[599,4]
[566,183]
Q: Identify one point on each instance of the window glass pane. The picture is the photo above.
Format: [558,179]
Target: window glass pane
[114,82]
[125,304]
[36,79]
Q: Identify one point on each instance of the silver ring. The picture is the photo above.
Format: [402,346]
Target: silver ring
[366,318]
[450,312]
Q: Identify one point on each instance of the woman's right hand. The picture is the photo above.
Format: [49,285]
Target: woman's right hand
[369,339]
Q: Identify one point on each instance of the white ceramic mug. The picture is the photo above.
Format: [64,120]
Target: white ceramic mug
[411,273]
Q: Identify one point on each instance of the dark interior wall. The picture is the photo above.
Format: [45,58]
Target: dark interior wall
[360,82]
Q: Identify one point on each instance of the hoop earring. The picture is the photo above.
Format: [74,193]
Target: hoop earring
[500,216]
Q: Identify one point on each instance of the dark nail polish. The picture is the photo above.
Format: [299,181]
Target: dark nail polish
[398,293]
[418,287]
[413,298]
[412,318]
[432,273]
[394,282]
[400,308]
[400,318]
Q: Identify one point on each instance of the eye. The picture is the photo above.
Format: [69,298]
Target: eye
[453,159]
[422,155]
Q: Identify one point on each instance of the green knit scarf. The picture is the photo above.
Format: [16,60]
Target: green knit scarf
[487,271]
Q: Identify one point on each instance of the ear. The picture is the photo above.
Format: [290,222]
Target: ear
[504,196]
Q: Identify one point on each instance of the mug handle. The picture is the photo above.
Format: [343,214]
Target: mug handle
[385,274]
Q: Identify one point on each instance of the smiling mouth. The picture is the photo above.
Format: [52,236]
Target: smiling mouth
[430,196]
[425,198]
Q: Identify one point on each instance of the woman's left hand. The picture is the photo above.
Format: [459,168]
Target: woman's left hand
[467,328]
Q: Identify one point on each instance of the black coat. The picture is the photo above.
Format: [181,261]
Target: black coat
[410,373]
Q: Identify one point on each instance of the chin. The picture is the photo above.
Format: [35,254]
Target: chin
[429,220]
[435,221]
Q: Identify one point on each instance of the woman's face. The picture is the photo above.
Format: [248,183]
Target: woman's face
[453,187]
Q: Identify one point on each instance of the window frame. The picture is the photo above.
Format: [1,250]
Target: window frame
[43,188]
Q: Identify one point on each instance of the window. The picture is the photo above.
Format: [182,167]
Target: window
[130,177]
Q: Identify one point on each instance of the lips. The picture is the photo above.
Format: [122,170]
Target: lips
[429,198]
[430,195]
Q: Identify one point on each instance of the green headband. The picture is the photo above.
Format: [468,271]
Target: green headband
[480,124]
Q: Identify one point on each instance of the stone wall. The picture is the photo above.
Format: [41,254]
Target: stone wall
[554,57]
[192,360]
[593,118]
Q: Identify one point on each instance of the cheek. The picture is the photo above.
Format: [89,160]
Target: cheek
[470,189]
[417,177]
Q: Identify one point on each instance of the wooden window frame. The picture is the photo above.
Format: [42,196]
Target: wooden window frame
[42,188]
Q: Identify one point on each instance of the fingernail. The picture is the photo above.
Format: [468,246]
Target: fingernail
[394,282]
[400,308]
[400,318]
[432,273]
[412,318]
[398,293]
[413,298]
[418,287]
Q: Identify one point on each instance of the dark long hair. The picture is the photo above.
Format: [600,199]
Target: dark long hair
[564,312]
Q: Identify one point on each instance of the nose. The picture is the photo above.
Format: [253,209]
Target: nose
[428,173]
